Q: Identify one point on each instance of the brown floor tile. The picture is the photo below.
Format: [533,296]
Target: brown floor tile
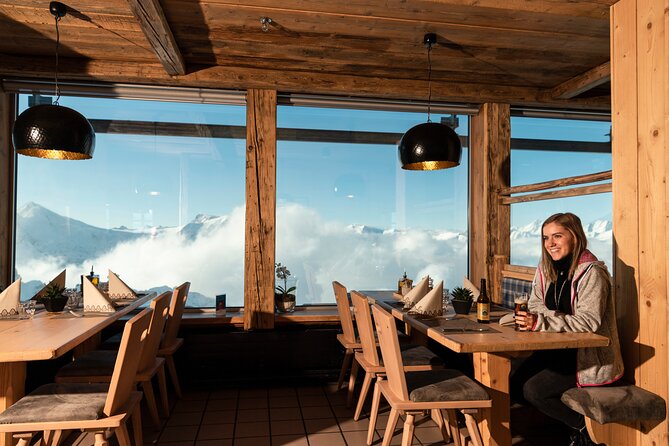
[216,431]
[285,413]
[359,438]
[429,435]
[337,399]
[195,395]
[310,413]
[249,415]
[185,419]
[289,440]
[219,416]
[178,433]
[349,425]
[343,411]
[189,406]
[282,391]
[252,393]
[287,427]
[321,425]
[313,400]
[226,404]
[223,394]
[227,442]
[174,443]
[252,441]
[252,403]
[255,429]
[283,401]
[310,390]
[331,439]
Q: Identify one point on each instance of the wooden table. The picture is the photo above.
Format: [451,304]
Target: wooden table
[492,352]
[45,336]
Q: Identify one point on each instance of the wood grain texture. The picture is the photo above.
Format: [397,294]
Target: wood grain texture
[260,209]
[7,159]
[562,182]
[573,192]
[583,82]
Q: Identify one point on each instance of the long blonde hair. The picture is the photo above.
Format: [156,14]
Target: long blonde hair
[573,225]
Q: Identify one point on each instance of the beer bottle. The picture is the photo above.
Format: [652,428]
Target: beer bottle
[401,283]
[483,305]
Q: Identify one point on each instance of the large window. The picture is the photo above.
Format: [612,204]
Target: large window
[549,149]
[155,208]
[346,210]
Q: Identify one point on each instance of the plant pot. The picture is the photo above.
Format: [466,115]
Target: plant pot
[462,306]
[284,303]
[55,304]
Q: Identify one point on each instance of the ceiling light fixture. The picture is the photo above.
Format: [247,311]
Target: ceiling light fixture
[51,130]
[431,145]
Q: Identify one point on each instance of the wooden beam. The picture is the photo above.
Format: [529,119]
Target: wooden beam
[7,161]
[152,20]
[562,182]
[260,209]
[563,193]
[583,82]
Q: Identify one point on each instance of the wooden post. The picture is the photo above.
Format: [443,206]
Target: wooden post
[489,222]
[640,112]
[260,209]
[7,161]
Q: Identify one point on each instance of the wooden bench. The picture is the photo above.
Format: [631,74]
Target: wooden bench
[510,280]
[622,404]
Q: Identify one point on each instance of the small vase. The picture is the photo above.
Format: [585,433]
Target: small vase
[284,303]
[462,306]
[54,304]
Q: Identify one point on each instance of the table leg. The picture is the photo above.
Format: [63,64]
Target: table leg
[12,388]
[492,370]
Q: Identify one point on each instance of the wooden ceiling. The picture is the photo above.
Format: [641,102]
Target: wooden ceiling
[550,53]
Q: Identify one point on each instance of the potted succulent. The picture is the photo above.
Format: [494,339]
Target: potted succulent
[284,295]
[462,299]
[53,298]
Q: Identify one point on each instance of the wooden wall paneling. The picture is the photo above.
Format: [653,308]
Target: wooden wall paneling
[489,225]
[260,209]
[7,160]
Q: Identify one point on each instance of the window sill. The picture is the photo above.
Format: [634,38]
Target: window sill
[312,315]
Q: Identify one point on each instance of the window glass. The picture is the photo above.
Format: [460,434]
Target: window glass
[346,211]
[539,161]
[156,209]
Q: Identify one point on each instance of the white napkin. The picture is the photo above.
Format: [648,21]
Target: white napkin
[416,293]
[432,303]
[118,288]
[58,281]
[471,287]
[95,300]
[9,299]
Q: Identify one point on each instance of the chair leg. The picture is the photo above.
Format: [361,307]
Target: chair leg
[150,399]
[122,435]
[24,438]
[376,402]
[137,425]
[441,424]
[473,428]
[351,383]
[455,431]
[172,369]
[390,427]
[348,357]
[162,386]
[369,376]
[407,435]
[100,439]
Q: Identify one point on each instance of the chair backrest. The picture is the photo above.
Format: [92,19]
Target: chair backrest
[179,296]
[390,351]
[125,368]
[363,319]
[160,307]
[344,309]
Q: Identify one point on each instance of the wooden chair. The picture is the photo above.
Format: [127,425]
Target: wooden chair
[414,357]
[347,337]
[417,392]
[94,407]
[98,366]
[171,343]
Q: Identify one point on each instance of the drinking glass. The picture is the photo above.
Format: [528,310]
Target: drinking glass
[520,302]
[29,308]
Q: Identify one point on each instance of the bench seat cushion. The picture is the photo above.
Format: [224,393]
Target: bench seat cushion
[615,404]
[512,287]
[443,385]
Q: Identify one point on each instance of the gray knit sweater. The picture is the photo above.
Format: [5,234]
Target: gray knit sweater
[593,311]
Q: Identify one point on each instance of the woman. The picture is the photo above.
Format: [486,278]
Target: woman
[571,292]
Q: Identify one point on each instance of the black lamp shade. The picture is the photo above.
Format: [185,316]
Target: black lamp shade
[430,146]
[53,131]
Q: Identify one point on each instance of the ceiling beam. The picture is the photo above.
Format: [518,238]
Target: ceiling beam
[583,82]
[156,29]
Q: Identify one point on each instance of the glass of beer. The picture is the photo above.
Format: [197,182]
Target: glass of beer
[520,302]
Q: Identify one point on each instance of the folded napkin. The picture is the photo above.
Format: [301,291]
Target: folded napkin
[118,288]
[9,299]
[471,287]
[58,281]
[412,297]
[96,300]
[432,303]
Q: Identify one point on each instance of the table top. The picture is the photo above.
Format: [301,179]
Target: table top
[462,334]
[50,335]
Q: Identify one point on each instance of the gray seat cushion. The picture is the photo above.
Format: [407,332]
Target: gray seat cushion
[615,404]
[58,402]
[94,363]
[443,385]
[413,354]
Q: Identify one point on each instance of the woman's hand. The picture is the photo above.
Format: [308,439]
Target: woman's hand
[525,320]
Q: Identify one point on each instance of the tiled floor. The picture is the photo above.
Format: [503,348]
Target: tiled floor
[280,416]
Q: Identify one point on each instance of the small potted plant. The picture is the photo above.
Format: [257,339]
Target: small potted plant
[53,299]
[284,296]
[462,299]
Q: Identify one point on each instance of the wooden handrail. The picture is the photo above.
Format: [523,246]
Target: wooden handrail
[574,192]
[562,182]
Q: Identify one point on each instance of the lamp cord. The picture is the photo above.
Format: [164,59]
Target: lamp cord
[57,47]
[429,81]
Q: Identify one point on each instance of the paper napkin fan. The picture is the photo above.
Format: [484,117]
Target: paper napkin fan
[118,288]
[95,300]
[432,303]
[9,299]
[416,293]
[471,287]
[58,281]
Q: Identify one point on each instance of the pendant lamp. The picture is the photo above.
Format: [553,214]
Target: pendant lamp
[431,145]
[52,130]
